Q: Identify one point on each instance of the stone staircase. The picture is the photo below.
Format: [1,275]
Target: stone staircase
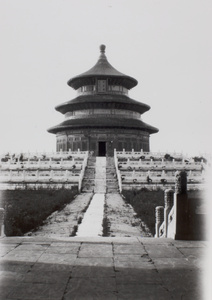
[111,177]
[88,182]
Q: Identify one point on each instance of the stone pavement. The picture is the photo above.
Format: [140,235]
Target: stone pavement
[92,221]
[101,268]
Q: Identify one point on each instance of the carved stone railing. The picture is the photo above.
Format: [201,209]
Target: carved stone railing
[159,215]
[169,201]
[1,222]
[176,215]
[135,167]
[118,173]
[84,165]
[54,168]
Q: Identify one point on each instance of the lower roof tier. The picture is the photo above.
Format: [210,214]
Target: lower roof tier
[103,122]
[102,101]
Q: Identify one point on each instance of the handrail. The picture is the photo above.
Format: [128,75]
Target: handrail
[85,162]
[117,171]
[45,171]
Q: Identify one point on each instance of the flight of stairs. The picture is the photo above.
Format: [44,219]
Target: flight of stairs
[111,177]
[88,182]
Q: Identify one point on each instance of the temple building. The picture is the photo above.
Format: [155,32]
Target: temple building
[102,117]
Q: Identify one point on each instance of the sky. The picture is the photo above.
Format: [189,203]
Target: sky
[166,45]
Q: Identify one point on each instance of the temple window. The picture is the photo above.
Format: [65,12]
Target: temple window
[101,86]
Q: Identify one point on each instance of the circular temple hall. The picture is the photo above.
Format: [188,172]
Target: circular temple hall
[102,117]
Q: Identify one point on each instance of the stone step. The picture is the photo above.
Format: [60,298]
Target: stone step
[114,191]
[84,190]
[111,177]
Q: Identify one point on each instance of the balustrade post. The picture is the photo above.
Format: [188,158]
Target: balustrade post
[10,176]
[61,163]
[23,175]
[2,222]
[169,201]
[181,207]
[159,216]
[28,163]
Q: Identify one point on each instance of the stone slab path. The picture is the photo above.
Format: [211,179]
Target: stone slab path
[92,222]
[100,175]
[102,268]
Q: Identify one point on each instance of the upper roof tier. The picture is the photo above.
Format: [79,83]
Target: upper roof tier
[102,101]
[102,69]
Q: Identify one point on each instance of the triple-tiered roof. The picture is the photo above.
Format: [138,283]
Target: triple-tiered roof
[90,96]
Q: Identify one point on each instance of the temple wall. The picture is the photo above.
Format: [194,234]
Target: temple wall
[110,139]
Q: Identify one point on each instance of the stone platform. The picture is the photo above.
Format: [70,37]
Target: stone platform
[101,268]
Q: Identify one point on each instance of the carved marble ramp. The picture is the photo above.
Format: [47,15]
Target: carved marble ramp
[100,175]
[92,222]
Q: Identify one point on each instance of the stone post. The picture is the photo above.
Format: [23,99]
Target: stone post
[159,216]
[169,201]
[1,221]
[181,183]
[181,206]
[37,175]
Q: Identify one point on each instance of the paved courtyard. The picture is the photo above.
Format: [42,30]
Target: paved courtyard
[101,268]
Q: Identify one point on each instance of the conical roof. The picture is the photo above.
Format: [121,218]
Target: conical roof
[103,122]
[102,69]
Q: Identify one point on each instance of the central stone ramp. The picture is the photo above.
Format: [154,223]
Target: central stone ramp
[100,175]
[92,222]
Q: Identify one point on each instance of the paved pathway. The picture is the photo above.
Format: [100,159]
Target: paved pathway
[100,175]
[101,268]
[92,221]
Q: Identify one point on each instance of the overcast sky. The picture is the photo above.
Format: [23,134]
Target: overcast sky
[166,45]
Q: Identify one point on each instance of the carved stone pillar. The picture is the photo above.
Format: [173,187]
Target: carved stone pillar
[1,221]
[169,201]
[181,183]
[159,216]
[181,207]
